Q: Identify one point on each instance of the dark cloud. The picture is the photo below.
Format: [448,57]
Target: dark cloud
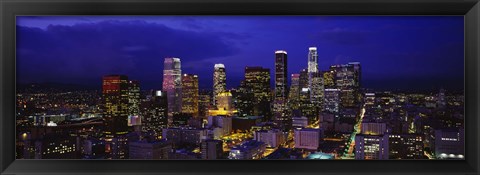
[87,51]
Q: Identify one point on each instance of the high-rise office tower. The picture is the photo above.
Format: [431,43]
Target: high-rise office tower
[134,120]
[254,92]
[356,73]
[282,120]
[245,100]
[328,79]
[219,81]
[190,94]
[303,79]
[294,93]
[280,74]
[154,113]
[204,103]
[115,91]
[332,101]
[315,78]
[172,86]
[134,98]
[317,89]
[347,79]
[312,64]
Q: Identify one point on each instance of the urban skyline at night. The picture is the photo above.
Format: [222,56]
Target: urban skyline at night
[219,92]
[398,50]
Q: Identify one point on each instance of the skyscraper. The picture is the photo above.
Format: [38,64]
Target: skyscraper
[172,85]
[315,78]
[280,74]
[134,98]
[245,100]
[317,89]
[254,92]
[154,113]
[303,79]
[204,103]
[307,108]
[328,79]
[294,93]
[332,101]
[347,79]
[190,94]
[115,91]
[134,105]
[282,120]
[312,64]
[219,81]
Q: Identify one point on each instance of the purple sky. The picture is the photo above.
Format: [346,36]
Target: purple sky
[395,52]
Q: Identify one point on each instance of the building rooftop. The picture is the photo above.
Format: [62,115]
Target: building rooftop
[247,145]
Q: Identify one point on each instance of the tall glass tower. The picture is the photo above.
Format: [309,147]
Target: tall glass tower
[315,78]
[219,81]
[282,120]
[115,92]
[172,86]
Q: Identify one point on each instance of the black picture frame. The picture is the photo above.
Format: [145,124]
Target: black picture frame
[11,8]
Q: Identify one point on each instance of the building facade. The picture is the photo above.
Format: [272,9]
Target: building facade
[371,146]
[115,90]
[190,94]
[212,149]
[172,86]
[219,81]
[308,138]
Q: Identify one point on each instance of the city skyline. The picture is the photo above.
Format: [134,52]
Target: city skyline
[327,111]
[428,64]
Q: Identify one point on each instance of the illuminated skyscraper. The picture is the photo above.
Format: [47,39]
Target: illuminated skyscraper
[294,93]
[245,100]
[134,98]
[134,120]
[347,79]
[172,86]
[282,120]
[312,65]
[307,108]
[328,79]
[219,81]
[303,79]
[317,89]
[204,103]
[115,90]
[332,100]
[315,78]
[254,92]
[280,75]
[190,94]
[154,113]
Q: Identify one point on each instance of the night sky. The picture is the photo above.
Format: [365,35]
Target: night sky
[395,52]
